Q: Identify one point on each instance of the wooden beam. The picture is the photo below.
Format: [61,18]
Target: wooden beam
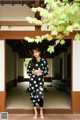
[15,23]
[21,34]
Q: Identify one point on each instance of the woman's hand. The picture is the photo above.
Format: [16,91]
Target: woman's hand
[34,72]
[37,72]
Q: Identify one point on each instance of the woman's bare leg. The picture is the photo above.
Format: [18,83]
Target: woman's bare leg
[41,113]
[35,113]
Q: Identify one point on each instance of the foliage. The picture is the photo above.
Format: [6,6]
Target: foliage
[26,62]
[60,18]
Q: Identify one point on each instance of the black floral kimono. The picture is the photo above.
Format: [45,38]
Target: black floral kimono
[36,83]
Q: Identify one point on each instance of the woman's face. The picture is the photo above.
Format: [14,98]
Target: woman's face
[36,53]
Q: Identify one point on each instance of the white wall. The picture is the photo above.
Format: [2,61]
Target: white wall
[50,60]
[20,28]
[65,65]
[20,66]
[64,57]
[2,70]
[16,57]
[56,63]
[9,63]
[15,13]
[76,66]
[69,50]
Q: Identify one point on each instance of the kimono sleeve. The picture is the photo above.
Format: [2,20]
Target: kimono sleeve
[29,68]
[46,68]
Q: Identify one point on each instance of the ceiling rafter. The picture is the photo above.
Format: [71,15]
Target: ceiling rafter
[23,48]
[30,3]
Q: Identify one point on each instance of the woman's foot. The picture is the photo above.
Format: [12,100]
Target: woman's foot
[35,117]
[35,113]
[42,116]
[41,113]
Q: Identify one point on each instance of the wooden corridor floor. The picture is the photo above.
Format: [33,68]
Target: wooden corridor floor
[47,117]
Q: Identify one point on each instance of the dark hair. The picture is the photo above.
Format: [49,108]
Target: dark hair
[33,61]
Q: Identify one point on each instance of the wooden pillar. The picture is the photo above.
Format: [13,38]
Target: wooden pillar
[2,76]
[76,77]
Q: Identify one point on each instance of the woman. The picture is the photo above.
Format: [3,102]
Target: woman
[37,68]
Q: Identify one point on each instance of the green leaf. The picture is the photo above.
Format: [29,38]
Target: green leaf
[34,10]
[49,38]
[62,42]
[50,49]
[59,36]
[61,22]
[33,21]
[62,16]
[29,19]
[65,1]
[48,6]
[57,42]
[76,25]
[70,28]
[38,39]
[29,39]
[51,27]
[77,37]
[54,32]
[75,8]
[44,36]
[46,1]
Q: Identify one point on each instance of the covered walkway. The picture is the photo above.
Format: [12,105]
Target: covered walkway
[18,98]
